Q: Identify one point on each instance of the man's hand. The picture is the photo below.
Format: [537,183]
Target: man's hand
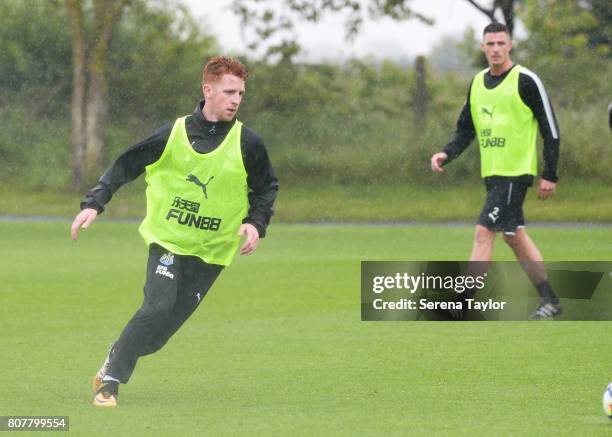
[437,160]
[546,189]
[252,239]
[82,220]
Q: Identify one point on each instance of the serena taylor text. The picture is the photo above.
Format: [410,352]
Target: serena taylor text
[424,304]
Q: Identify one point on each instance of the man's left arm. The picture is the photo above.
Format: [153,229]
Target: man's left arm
[534,95]
[262,183]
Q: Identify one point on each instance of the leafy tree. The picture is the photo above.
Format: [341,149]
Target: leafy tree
[92,24]
[600,35]
[506,7]
[272,22]
[138,56]
[156,64]
[566,48]
[153,67]
[34,56]
[35,85]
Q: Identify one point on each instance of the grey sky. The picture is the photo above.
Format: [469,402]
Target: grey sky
[382,39]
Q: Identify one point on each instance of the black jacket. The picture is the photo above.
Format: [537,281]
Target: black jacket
[205,136]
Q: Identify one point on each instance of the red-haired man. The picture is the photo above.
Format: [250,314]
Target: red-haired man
[209,182]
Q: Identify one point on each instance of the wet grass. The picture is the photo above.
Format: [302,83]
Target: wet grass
[278,348]
[574,202]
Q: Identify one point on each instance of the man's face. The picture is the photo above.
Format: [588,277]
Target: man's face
[223,97]
[496,47]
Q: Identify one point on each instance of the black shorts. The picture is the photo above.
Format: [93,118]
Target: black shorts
[503,208]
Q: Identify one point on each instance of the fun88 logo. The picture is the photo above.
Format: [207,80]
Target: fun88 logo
[167,259]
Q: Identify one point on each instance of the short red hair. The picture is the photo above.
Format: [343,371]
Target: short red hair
[218,66]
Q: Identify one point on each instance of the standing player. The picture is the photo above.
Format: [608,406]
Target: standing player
[209,181]
[505,105]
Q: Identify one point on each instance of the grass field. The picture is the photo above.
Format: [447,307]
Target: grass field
[278,347]
[576,201]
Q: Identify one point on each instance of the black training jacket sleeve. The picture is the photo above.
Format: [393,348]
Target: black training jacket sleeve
[127,167]
[534,95]
[464,133]
[261,180]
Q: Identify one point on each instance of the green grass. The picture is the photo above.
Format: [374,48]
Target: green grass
[575,201]
[278,347]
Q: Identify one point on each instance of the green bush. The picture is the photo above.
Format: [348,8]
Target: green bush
[349,124]
[34,149]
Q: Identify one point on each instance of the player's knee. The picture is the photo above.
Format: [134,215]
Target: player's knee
[483,236]
[511,240]
[159,311]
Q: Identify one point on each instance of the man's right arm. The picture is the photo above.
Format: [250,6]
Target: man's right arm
[127,167]
[464,134]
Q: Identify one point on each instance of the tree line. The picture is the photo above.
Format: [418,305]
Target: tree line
[82,80]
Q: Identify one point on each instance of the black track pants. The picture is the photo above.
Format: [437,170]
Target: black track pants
[175,286]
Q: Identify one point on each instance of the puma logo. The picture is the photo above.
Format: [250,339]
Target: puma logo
[195,180]
[486,111]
